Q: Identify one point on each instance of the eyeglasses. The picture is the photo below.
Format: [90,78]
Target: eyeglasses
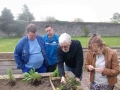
[95,51]
[64,46]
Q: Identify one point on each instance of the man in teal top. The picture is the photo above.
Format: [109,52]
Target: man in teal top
[51,44]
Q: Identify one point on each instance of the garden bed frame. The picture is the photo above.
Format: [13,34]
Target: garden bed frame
[70,74]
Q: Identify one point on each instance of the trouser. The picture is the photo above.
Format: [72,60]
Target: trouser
[66,68]
[95,86]
[42,69]
[51,68]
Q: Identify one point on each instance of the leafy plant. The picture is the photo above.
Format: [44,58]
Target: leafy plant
[55,73]
[33,77]
[11,77]
[71,84]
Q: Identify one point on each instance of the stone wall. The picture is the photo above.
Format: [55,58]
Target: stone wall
[77,28]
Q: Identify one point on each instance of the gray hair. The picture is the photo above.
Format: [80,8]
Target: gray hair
[64,38]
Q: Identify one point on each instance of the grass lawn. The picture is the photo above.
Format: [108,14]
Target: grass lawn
[110,41]
[8,44]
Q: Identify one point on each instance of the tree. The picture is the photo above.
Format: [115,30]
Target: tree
[26,15]
[51,19]
[6,18]
[115,18]
[78,20]
[20,27]
[16,29]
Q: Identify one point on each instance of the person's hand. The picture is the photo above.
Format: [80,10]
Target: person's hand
[63,80]
[90,67]
[100,70]
[77,79]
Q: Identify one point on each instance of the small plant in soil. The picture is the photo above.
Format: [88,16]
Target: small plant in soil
[55,73]
[11,78]
[71,84]
[33,77]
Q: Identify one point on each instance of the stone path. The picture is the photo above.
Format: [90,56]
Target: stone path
[86,80]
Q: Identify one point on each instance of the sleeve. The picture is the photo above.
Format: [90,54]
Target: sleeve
[114,66]
[18,55]
[60,63]
[87,61]
[79,61]
[42,44]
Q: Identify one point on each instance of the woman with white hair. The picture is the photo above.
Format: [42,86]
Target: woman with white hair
[70,56]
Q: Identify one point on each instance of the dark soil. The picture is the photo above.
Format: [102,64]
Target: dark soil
[12,83]
[44,85]
[56,83]
[67,86]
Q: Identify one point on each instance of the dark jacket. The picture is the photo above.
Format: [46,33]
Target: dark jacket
[73,58]
[21,52]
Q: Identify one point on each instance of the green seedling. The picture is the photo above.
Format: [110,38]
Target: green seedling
[33,77]
[11,77]
[55,73]
[71,84]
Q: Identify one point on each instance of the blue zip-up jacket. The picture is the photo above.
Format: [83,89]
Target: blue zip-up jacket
[21,52]
[51,48]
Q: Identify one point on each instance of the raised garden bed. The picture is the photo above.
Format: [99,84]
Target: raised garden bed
[44,84]
[71,83]
[57,85]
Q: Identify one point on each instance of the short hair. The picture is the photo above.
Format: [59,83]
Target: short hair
[48,26]
[31,28]
[94,39]
[64,38]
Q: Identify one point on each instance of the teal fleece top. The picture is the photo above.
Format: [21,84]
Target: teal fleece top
[51,48]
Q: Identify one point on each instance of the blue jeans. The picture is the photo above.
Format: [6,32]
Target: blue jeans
[42,69]
[66,68]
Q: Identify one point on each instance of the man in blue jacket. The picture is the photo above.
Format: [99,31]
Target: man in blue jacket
[30,51]
[51,44]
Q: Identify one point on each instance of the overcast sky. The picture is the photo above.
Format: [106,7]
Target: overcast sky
[66,10]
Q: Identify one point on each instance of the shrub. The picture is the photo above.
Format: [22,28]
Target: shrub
[86,31]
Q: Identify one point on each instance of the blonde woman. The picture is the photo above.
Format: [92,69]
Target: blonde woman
[102,63]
